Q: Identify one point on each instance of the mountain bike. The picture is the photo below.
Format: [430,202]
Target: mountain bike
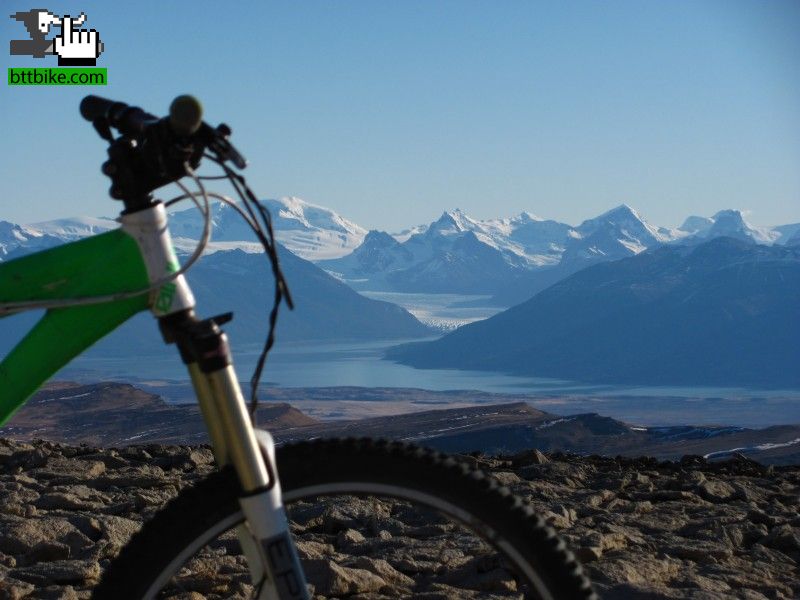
[235,523]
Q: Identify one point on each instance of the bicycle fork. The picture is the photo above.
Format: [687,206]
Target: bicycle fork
[265,537]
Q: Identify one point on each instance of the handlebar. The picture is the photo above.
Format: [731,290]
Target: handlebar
[185,115]
[151,151]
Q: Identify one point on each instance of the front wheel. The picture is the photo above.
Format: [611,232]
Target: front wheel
[374,518]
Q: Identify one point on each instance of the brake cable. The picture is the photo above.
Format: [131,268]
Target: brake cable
[259,220]
[267,239]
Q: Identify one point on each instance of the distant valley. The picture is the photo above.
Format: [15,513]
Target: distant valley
[722,312]
[110,414]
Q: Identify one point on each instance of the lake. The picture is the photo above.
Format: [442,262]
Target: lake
[306,365]
[360,364]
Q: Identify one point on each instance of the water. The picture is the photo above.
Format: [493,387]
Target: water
[360,364]
[305,365]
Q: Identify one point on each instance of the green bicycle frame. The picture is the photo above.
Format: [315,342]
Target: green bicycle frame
[100,265]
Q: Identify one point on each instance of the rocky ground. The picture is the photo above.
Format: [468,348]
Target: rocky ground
[643,528]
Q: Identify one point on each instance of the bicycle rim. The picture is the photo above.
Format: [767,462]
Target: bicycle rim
[490,545]
[364,489]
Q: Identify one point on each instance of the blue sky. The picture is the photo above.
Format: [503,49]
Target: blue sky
[390,112]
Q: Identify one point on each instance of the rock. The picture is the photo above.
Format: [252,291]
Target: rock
[648,571]
[415,567]
[142,476]
[605,542]
[759,516]
[348,537]
[531,457]
[670,496]
[596,500]
[48,551]
[59,571]
[337,580]
[27,458]
[644,529]
[559,521]
[784,538]
[587,554]
[699,551]
[110,458]
[55,592]
[22,537]
[115,532]
[385,571]
[716,491]
[135,453]
[641,507]
[66,501]
[313,549]
[694,478]
[506,477]
[16,502]
[201,456]
[62,470]
[536,457]
[619,505]
[362,514]
[7,561]
[14,589]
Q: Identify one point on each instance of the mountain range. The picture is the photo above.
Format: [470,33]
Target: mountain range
[309,231]
[717,312]
[512,259]
[508,258]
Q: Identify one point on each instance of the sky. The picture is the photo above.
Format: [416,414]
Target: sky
[392,112]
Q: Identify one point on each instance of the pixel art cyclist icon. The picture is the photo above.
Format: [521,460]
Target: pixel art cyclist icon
[75,47]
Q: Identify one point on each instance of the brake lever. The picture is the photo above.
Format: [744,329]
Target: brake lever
[103,128]
[217,141]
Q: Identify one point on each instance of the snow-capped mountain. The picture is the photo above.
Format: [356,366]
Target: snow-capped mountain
[618,233]
[16,239]
[75,227]
[615,234]
[460,254]
[510,258]
[469,264]
[695,224]
[787,233]
[456,254]
[728,223]
[403,235]
[539,242]
[541,239]
[378,253]
[310,231]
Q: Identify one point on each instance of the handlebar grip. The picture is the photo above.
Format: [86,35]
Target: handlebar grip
[127,119]
[185,115]
[95,107]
